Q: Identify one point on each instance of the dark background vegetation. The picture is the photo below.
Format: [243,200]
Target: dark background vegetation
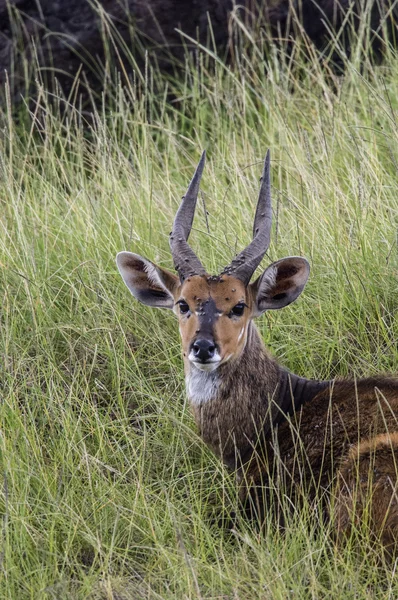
[86,41]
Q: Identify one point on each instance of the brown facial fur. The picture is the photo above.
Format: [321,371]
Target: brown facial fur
[211,300]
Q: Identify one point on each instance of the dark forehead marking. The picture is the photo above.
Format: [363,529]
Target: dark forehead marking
[207,314]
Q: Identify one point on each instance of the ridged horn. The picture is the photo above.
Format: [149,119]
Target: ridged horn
[185,260]
[245,263]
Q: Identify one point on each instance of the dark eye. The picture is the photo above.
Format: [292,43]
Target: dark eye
[184,308]
[237,310]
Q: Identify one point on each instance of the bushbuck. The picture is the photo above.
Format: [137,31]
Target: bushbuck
[337,438]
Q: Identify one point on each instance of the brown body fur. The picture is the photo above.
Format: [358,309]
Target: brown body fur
[334,440]
[367,489]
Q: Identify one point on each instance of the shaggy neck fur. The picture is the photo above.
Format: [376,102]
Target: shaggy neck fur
[236,406]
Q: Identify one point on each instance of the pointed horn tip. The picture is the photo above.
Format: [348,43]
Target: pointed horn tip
[267,166]
[267,160]
[202,158]
[200,167]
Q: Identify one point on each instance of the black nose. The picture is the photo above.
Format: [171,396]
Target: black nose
[204,350]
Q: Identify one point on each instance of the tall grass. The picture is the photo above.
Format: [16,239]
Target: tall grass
[107,491]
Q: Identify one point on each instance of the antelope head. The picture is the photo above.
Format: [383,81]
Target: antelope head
[214,311]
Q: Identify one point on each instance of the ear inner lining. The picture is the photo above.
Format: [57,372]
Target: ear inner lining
[280,284]
[149,283]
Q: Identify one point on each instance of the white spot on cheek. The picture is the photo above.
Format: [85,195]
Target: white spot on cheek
[242,331]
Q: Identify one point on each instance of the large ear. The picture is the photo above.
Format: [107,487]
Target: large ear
[280,284]
[149,283]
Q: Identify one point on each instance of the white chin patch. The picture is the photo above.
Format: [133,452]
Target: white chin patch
[207,367]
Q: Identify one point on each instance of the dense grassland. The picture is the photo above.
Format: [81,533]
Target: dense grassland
[106,490]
